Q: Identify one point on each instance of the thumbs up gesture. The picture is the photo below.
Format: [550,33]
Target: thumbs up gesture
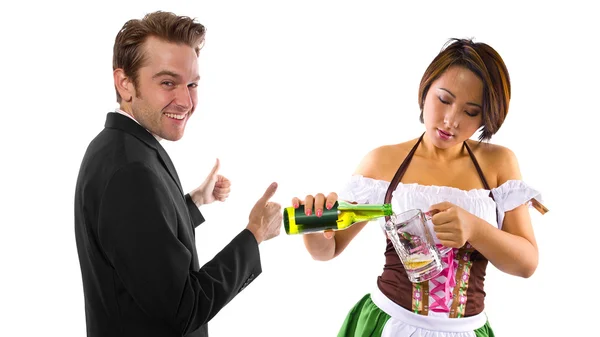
[266,216]
[215,187]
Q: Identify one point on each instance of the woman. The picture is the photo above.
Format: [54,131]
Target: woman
[476,187]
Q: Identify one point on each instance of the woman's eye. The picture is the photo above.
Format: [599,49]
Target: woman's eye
[444,102]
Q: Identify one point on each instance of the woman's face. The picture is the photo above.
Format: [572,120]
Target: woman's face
[452,111]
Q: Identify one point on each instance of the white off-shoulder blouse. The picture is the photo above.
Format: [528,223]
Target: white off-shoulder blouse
[507,197]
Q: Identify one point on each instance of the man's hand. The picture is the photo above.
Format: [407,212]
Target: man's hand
[266,217]
[215,187]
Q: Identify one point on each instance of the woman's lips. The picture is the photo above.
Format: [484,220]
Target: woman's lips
[444,135]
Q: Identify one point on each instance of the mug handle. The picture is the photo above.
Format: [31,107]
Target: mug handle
[428,215]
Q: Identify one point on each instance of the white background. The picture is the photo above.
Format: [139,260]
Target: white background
[273,72]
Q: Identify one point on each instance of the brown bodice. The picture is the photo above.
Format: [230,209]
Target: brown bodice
[394,283]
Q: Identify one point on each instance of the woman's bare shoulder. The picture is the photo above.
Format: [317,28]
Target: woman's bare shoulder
[379,162]
[496,159]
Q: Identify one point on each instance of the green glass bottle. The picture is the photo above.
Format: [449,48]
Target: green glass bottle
[341,216]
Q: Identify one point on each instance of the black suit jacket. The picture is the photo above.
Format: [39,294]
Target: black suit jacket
[135,232]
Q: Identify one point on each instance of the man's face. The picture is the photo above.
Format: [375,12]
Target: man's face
[165,96]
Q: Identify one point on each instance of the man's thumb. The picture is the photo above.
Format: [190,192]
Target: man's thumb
[215,168]
[269,192]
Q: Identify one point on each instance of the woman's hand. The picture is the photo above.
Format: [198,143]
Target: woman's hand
[453,225]
[316,204]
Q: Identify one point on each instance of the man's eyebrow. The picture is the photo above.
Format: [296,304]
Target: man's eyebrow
[469,103]
[173,74]
[166,73]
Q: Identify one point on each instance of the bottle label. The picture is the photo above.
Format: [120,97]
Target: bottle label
[298,222]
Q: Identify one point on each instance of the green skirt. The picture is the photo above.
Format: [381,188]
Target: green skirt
[367,319]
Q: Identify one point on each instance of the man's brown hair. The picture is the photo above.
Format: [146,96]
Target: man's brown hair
[128,51]
[487,64]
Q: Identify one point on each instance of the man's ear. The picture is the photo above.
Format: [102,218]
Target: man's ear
[123,84]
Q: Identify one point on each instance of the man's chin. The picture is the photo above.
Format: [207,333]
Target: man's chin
[172,137]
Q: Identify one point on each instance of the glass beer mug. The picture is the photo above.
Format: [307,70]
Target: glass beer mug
[414,244]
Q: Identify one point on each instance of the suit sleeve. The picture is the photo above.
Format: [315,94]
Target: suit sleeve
[138,231]
[197,217]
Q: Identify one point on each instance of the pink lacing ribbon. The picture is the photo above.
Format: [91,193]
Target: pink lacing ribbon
[440,303]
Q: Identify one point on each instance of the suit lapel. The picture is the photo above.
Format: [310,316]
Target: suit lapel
[166,160]
[117,121]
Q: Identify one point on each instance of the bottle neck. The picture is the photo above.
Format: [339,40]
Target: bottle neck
[385,208]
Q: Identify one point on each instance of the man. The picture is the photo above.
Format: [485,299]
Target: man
[134,226]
